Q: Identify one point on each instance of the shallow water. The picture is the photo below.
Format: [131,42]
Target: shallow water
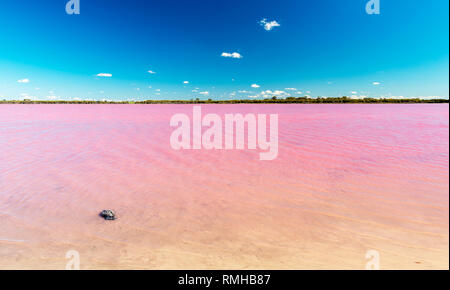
[348,179]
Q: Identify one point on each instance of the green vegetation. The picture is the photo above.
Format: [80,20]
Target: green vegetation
[274,100]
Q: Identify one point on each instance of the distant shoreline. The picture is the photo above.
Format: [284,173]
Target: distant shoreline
[341,100]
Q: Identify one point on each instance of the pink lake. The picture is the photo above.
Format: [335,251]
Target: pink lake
[348,179]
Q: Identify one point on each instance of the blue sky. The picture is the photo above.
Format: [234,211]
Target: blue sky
[316,48]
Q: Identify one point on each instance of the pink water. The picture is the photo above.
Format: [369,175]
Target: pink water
[348,179]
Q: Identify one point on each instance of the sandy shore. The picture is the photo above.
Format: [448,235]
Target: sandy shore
[348,179]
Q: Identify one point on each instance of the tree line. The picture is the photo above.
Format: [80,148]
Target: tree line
[273,100]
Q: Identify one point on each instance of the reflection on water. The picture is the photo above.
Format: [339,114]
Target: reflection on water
[348,179]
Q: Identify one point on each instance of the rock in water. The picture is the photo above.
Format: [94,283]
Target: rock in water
[108,214]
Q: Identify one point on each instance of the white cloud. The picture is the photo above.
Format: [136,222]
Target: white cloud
[290,89]
[185,82]
[269,25]
[27,96]
[204,93]
[23,81]
[432,97]
[104,75]
[277,93]
[244,92]
[151,72]
[354,93]
[376,83]
[255,86]
[232,55]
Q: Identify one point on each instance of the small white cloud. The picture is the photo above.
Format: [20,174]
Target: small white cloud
[299,93]
[204,93]
[432,97]
[376,83]
[354,93]
[232,55]
[185,82]
[255,86]
[269,25]
[290,89]
[104,75]
[151,72]
[279,93]
[23,81]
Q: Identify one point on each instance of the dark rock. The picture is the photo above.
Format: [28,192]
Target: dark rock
[108,214]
